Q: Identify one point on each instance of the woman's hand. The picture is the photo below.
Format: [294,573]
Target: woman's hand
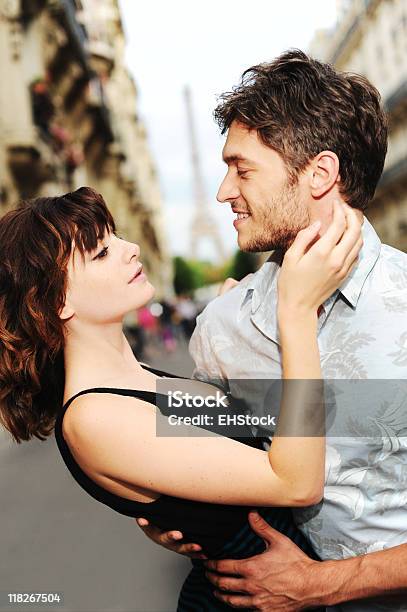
[314,268]
[171,540]
[228,285]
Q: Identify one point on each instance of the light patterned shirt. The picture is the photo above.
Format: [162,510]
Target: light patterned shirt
[362,337]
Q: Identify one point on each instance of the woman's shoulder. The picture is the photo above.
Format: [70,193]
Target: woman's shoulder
[130,381]
[92,413]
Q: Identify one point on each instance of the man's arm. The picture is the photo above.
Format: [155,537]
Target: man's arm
[284,578]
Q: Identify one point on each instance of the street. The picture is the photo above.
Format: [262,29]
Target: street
[55,538]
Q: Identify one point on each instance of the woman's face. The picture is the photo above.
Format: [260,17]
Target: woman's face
[108,283]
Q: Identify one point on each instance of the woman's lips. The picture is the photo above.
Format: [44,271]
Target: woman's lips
[138,276]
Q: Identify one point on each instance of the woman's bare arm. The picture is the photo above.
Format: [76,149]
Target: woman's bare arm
[117,437]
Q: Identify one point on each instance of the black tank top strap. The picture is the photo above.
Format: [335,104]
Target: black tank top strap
[161,373]
[146,396]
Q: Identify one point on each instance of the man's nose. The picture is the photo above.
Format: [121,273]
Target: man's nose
[228,190]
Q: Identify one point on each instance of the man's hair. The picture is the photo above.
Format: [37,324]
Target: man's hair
[300,107]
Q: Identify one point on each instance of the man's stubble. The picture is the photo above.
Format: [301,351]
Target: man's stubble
[279,221]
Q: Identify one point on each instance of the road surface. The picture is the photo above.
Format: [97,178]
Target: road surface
[55,538]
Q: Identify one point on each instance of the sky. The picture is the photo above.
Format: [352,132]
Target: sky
[205,45]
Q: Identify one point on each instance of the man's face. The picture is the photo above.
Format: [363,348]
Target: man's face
[257,184]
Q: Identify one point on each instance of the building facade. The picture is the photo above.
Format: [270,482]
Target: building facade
[370,38]
[68,117]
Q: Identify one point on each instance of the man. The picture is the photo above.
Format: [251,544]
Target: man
[299,136]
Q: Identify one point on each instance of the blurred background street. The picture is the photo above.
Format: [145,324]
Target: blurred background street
[54,538]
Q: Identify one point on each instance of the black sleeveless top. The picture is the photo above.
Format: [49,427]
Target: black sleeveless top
[207,524]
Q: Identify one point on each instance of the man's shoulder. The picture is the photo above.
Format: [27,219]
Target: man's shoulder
[224,307]
[393,257]
[391,273]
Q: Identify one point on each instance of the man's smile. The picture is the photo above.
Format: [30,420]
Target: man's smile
[241,216]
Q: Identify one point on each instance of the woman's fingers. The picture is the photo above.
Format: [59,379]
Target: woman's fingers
[351,235]
[353,256]
[170,540]
[335,230]
[227,285]
[190,550]
[303,240]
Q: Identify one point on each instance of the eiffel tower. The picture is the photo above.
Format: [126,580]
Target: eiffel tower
[203,224]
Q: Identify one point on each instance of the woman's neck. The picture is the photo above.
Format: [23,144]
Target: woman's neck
[98,354]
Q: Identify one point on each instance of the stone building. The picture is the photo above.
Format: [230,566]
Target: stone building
[68,117]
[370,38]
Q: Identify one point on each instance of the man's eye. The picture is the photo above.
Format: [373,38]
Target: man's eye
[241,172]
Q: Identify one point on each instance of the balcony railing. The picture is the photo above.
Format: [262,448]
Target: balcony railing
[354,25]
[66,9]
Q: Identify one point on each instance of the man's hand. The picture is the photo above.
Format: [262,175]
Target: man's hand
[170,540]
[282,578]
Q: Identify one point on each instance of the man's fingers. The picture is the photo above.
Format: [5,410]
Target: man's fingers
[142,522]
[263,529]
[236,601]
[225,583]
[226,566]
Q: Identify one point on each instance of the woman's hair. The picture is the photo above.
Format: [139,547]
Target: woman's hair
[36,241]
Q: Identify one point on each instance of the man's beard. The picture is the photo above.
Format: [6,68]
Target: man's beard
[289,218]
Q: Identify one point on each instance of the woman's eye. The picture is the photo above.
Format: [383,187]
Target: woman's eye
[102,253]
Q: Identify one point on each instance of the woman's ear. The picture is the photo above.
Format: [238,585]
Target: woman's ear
[325,173]
[66,312]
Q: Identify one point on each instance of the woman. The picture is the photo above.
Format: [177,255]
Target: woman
[66,282]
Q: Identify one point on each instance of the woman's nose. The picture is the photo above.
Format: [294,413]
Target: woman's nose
[133,250]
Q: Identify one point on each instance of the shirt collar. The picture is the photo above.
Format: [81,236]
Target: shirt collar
[262,281]
[351,288]
[262,288]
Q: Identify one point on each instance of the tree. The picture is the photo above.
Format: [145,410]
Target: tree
[243,264]
[186,278]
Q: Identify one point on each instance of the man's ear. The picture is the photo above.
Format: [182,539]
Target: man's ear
[324,173]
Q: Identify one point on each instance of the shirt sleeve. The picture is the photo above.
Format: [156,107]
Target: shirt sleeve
[207,367]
